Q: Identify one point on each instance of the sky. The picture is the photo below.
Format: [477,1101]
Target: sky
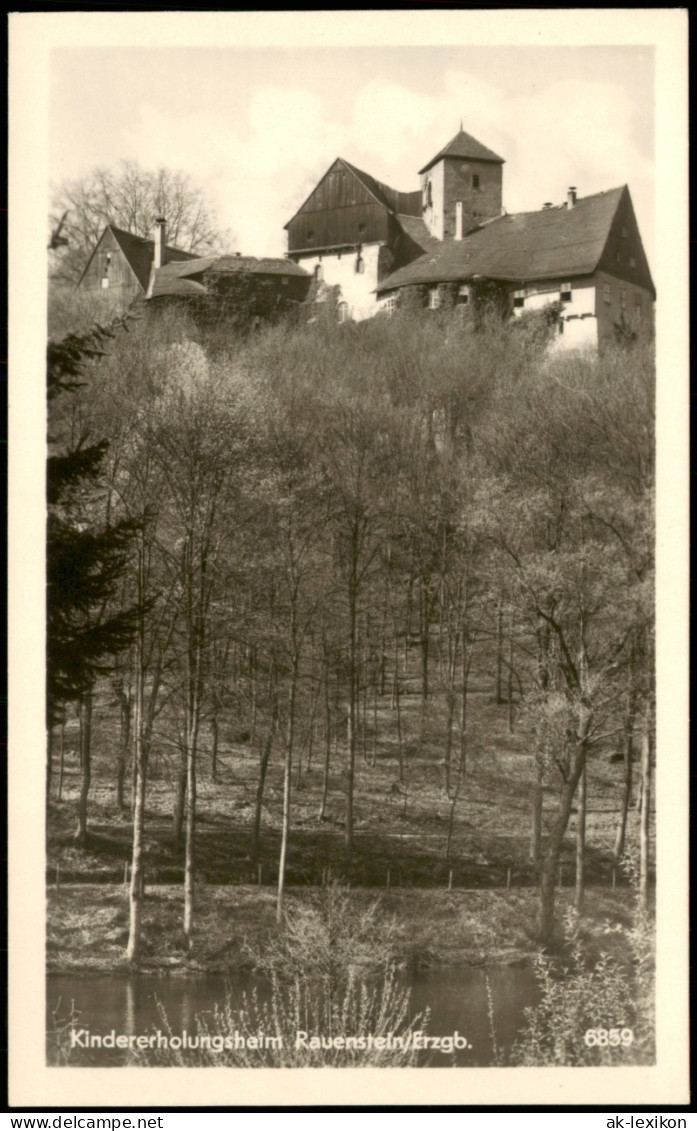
[256,127]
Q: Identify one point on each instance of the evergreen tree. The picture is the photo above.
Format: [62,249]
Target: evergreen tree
[84,556]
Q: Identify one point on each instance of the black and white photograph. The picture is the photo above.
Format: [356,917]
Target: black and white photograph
[347,557]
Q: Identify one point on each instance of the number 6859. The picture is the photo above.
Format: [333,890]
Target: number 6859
[603,1037]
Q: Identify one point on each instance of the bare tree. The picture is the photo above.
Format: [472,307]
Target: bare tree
[131,197]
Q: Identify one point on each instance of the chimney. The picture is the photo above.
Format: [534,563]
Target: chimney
[571,196]
[160,241]
[458,219]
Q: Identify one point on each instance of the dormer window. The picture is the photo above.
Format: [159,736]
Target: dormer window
[565,293]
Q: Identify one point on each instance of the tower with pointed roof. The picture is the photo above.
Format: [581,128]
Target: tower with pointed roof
[461,187]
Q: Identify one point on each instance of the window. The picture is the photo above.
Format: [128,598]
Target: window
[284,280]
[632,261]
[463,295]
[390,303]
[618,258]
[519,298]
[565,293]
[343,312]
[310,235]
[434,298]
[607,294]
[623,299]
[637,308]
[625,234]
[360,265]
[361,229]
[560,327]
[105,283]
[318,273]
[475,180]
[428,195]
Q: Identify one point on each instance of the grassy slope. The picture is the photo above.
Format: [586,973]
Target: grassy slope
[405,835]
[88,926]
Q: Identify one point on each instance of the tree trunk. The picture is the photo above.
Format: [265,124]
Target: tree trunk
[140,768]
[180,801]
[189,845]
[581,840]
[536,824]
[263,766]
[510,682]
[644,818]
[287,780]
[61,764]
[214,750]
[449,740]
[423,618]
[352,719]
[124,746]
[395,700]
[550,862]
[86,759]
[49,762]
[499,652]
[327,748]
[626,789]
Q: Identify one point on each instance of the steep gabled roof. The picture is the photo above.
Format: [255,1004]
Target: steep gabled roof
[391,199]
[551,243]
[138,252]
[465,146]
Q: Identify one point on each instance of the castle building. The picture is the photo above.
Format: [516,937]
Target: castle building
[373,242]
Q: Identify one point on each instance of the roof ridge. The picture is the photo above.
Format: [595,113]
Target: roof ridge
[560,207]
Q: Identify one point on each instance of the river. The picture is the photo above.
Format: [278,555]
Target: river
[459,1000]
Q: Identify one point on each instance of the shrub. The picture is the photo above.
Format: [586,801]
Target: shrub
[331,976]
[587,1012]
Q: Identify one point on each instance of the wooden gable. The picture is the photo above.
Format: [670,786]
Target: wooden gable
[623,255]
[109,262]
[342,211]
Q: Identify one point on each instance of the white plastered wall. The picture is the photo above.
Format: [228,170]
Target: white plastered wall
[339,269]
[434,215]
[579,315]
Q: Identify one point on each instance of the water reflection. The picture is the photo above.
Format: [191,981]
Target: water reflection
[459,1000]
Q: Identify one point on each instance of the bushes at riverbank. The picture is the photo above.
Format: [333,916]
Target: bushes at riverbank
[88,924]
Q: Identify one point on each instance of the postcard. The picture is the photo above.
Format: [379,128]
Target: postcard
[348,583]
